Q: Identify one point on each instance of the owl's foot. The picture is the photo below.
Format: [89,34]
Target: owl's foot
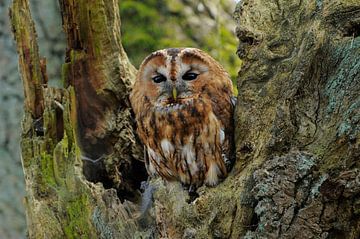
[192,192]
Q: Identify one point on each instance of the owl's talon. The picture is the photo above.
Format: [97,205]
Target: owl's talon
[185,186]
[192,189]
[192,193]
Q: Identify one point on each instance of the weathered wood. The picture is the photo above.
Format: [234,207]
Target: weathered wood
[62,126]
[29,60]
[297,130]
[101,75]
[299,100]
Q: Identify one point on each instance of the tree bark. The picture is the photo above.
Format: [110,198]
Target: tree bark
[297,131]
[92,111]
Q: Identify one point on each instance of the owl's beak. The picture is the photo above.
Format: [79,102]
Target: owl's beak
[174,93]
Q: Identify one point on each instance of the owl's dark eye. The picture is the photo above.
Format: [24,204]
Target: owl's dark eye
[159,78]
[189,76]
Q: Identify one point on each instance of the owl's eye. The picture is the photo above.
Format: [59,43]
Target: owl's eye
[189,76]
[159,78]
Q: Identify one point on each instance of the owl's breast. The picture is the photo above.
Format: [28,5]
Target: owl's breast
[185,144]
[181,121]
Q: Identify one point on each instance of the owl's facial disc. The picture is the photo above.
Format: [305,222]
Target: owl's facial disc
[173,78]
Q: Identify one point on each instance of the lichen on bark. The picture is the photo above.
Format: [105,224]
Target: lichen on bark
[60,201]
[296,129]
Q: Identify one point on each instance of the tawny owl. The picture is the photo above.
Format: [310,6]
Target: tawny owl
[183,103]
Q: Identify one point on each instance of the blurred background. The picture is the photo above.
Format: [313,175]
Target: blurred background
[147,25]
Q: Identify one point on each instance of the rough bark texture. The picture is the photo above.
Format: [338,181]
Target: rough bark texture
[60,201]
[298,116]
[100,73]
[297,131]
[51,39]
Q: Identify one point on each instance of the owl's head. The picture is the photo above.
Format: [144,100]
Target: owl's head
[171,78]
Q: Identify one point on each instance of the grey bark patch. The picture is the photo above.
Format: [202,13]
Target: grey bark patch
[293,200]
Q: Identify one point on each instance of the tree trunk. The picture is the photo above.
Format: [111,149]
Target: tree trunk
[297,131]
[92,111]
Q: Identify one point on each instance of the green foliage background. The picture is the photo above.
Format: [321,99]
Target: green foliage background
[151,25]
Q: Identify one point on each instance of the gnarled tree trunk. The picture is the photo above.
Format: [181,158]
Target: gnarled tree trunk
[91,110]
[297,131]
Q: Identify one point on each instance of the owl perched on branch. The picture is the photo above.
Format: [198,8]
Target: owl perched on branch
[183,102]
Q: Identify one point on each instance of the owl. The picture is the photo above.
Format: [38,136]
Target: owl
[183,103]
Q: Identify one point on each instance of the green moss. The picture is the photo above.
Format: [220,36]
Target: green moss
[62,153]
[47,177]
[64,74]
[26,152]
[94,27]
[78,213]
[68,138]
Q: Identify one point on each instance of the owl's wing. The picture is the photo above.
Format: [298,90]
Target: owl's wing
[148,166]
[225,148]
[227,133]
[233,100]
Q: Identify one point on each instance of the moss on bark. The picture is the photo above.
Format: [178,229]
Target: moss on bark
[60,201]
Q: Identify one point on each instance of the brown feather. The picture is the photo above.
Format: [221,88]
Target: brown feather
[191,140]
